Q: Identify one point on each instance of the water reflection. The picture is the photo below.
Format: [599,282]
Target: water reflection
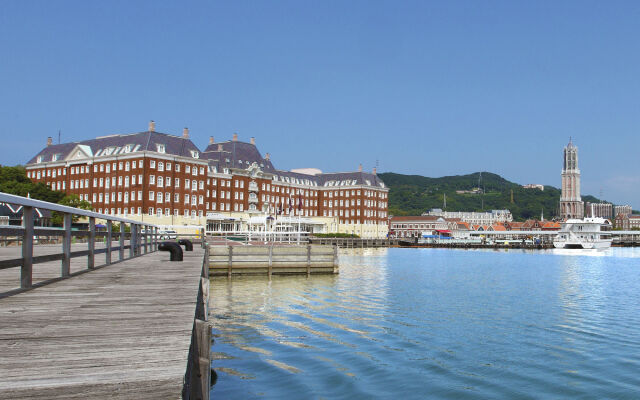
[422,323]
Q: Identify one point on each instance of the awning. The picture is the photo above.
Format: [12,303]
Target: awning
[443,230]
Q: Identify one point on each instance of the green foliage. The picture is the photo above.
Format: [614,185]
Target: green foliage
[71,200]
[335,235]
[414,195]
[13,180]
[115,227]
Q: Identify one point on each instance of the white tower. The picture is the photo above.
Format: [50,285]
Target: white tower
[571,205]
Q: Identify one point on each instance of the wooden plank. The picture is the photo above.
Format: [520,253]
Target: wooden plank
[104,334]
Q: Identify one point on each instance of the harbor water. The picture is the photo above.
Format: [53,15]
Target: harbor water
[435,323]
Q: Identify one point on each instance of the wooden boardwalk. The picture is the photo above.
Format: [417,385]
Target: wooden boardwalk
[121,331]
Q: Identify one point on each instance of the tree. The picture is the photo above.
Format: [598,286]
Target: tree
[14,180]
[71,200]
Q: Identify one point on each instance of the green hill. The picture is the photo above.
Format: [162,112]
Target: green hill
[415,194]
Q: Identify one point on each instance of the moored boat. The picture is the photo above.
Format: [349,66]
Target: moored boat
[584,233]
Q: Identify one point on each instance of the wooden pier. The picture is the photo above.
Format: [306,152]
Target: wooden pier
[121,331]
[353,243]
[273,260]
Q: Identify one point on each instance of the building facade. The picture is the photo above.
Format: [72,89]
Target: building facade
[571,205]
[414,226]
[474,218]
[166,180]
[624,210]
[602,210]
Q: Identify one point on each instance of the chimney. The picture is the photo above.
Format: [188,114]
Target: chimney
[375,170]
[253,141]
[152,126]
[49,141]
[185,133]
[219,146]
[267,156]
[235,137]
[360,168]
[211,141]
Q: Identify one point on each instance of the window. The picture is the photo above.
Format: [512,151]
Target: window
[177,182]
[168,166]
[160,148]
[152,179]
[152,195]
[152,164]
[160,166]
[195,154]
[160,181]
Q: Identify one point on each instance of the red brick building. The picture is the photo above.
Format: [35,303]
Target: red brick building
[166,179]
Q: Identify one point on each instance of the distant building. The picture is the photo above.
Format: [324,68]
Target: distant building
[602,210]
[474,218]
[624,210]
[533,186]
[413,226]
[627,222]
[571,205]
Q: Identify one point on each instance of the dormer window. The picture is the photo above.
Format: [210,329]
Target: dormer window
[195,154]
[39,159]
[160,148]
[127,148]
[55,157]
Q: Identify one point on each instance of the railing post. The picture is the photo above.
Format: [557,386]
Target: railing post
[66,245]
[122,241]
[92,243]
[108,239]
[202,237]
[132,241]
[270,260]
[308,259]
[230,261]
[146,239]
[26,272]
[154,239]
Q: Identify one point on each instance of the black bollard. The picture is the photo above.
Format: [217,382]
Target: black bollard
[188,245]
[173,248]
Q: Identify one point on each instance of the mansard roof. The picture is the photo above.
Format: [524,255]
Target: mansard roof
[121,144]
[236,154]
[229,154]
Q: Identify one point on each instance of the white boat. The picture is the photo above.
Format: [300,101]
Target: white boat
[584,233]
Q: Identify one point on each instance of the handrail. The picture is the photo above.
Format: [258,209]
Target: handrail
[25,201]
[140,241]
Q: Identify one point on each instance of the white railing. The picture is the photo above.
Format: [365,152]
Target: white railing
[142,238]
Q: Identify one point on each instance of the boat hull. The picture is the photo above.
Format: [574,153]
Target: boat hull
[599,244]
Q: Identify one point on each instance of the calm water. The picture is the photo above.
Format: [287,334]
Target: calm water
[435,323]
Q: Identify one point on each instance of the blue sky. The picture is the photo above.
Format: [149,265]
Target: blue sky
[428,88]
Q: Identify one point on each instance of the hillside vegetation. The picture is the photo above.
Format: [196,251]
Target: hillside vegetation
[415,194]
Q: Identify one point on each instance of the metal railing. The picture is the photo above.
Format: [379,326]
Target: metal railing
[142,238]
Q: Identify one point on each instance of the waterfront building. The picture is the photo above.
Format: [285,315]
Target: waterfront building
[602,210]
[413,226]
[624,210]
[472,217]
[571,205]
[627,222]
[167,180]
